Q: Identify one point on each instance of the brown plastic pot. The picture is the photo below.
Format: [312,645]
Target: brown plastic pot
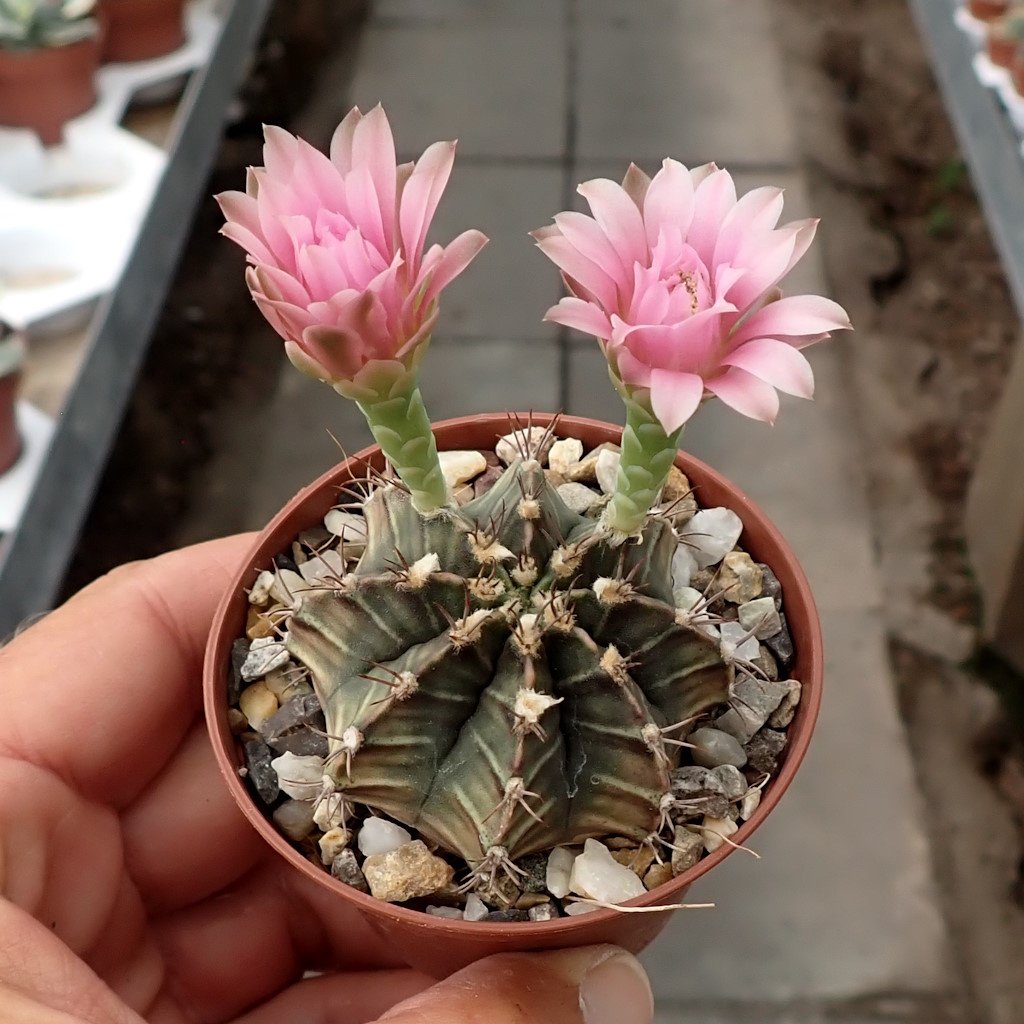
[438,945]
[43,89]
[141,29]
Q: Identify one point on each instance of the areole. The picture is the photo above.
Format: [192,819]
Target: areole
[440,945]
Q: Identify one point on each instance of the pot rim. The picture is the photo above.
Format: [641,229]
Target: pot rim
[796,592]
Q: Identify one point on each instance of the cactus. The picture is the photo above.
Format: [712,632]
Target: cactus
[507,676]
[26,24]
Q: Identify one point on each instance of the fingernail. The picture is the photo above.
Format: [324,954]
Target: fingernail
[616,991]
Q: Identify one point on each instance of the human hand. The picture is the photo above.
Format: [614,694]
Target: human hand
[131,886]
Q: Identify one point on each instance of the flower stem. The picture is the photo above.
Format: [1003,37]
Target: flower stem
[647,456]
[399,423]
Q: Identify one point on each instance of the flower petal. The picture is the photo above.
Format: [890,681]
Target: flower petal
[280,149]
[775,363]
[584,272]
[458,254]
[585,234]
[420,197]
[373,146]
[635,183]
[755,213]
[669,201]
[713,198]
[675,397]
[618,217]
[341,142]
[580,316]
[793,316]
[746,394]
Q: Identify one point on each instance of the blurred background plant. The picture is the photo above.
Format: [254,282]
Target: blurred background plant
[29,24]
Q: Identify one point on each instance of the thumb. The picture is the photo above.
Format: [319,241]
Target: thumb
[594,985]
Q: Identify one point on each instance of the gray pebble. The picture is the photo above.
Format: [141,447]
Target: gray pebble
[578,497]
[291,729]
[783,715]
[260,772]
[295,818]
[264,656]
[770,585]
[734,785]
[781,645]
[536,866]
[714,747]
[689,847]
[239,652]
[508,915]
[346,869]
[763,751]
[693,780]
[752,701]
[765,661]
[543,912]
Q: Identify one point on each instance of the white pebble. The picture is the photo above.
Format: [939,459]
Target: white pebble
[265,654]
[378,835]
[750,802]
[575,909]
[260,593]
[329,563]
[565,454]
[684,565]
[733,640]
[716,831]
[451,913]
[712,534]
[257,703]
[607,469]
[476,909]
[599,876]
[559,871]
[458,467]
[578,497]
[761,616]
[295,819]
[332,843]
[287,586]
[687,598]
[300,775]
[512,446]
[346,525]
[330,812]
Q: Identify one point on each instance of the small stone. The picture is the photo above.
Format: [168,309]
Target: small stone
[239,652]
[546,911]
[597,875]
[750,802]
[509,916]
[564,454]
[315,538]
[761,616]
[658,874]
[763,751]
[300,775]
[683,565]
[463,494]
[451,913]
[736,643]
[504,893]
[781,645]
[595,510]
[258,704]
[260,771]
[475,909]
[378,836]
[325,566]
[349,527]
[554,479]
[257,626]
[297,727]
[487,479]
[770,585]
[578,497]
[237,722]
[259,595]
[535,865]
[712,533]
[607,470]
[783,715]
[404,873]
[714,747]
[753,700]
[677,489]
[333,842]
[346,869]
[638,859]
[264,656]
[716,831]
[295,819]
[689,846]
[585,471]
[559,871]
[459,466]
[765,661]
[331,812]
[578,909]
[287,586]
[740,578]
[534,442]
[530,899]
[733,784]
[692,780]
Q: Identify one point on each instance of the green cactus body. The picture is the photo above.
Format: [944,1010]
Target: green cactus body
[504,677]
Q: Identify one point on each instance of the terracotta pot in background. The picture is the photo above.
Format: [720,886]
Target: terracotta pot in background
[438,945]
[141,29]
[1017,70]
[1001,46]
[12,356]
[988,10]
[43,89]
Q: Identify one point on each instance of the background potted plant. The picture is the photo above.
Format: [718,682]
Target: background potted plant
[12,357]
[1005,37]
[48,58]
[141,29]
[535,692]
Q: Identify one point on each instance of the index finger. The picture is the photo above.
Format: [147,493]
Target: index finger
[102,690]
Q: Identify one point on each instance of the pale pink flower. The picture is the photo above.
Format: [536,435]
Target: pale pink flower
[336,245]
[678,279]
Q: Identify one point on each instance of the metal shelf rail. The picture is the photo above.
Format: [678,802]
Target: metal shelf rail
[39,551]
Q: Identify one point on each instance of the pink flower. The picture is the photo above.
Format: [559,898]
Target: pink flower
[678,279]
[335,245]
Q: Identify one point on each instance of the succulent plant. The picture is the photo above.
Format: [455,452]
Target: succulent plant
[28,24]
[506,677]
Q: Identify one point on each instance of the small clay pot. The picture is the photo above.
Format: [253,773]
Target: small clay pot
[141,29]
[12,355]
[437,945]
[43,89]
[988,10]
